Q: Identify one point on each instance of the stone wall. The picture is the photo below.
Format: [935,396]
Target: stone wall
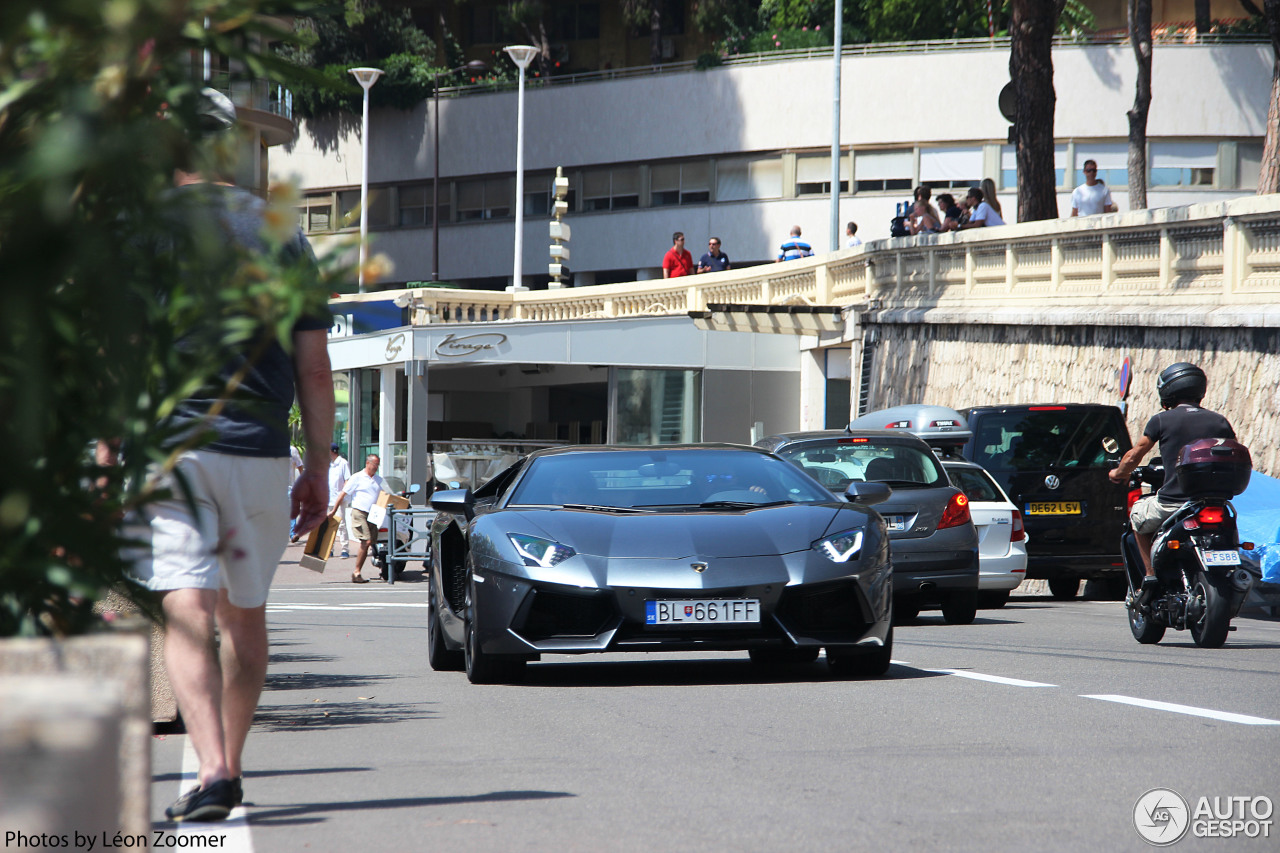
[961,365]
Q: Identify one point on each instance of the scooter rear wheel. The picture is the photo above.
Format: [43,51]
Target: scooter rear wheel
[1210,630]
[1145,630]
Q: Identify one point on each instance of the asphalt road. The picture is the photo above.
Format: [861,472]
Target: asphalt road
[1018,732]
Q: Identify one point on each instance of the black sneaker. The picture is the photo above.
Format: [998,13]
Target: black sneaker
[204,804]
[237,789]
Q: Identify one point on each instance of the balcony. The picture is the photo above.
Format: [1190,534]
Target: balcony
[1210,264]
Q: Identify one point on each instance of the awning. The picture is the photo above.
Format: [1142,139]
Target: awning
[776,319]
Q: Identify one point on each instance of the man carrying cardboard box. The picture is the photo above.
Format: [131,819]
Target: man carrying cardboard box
[364,487]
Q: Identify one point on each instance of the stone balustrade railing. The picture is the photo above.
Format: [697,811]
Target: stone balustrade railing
[1220,260]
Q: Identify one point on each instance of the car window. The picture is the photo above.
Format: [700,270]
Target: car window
[976,485]
[846,460]
[663,478]
[1053,438]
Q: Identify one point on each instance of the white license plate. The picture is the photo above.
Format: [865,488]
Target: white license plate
[704,611]
[1221,558]
[895,523]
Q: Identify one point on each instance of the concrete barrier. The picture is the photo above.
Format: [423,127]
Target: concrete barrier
[117,665]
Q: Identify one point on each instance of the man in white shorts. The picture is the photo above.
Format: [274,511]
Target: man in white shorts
[213,562]
[364,487]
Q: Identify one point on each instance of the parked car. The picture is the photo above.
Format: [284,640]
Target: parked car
[1052,460]
[933,541]
[1002,545]
[1002,536]
[688,548]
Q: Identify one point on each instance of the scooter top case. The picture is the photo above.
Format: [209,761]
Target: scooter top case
[1214,468]
[942,428]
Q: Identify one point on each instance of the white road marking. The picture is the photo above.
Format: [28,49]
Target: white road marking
[994,679]
[234,831]
[360,605]
[1226,716]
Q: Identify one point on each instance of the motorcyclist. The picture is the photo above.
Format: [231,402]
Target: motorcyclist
[1181,387]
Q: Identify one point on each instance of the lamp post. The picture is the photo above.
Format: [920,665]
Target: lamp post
[521,55]
[477,67]
[366,77]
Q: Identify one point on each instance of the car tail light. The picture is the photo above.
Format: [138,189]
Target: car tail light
[1134,496]
[1019,529]
[1046,408]
[956,513]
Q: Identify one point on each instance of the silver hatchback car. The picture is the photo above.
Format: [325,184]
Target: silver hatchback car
[932,540]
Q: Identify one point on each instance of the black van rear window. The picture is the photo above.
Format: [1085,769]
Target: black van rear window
[1039,440]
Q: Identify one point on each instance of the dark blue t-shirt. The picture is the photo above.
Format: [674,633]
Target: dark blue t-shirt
[255,422]
[715,264]
[1173,429]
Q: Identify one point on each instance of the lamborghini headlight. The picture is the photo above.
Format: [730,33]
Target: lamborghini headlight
[842,547]
[540,552]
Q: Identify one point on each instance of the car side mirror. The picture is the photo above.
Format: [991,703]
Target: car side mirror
[456,501]
[867,493]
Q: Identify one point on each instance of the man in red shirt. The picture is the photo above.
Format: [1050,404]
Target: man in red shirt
[677,261]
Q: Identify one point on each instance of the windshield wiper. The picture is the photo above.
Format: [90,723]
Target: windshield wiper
[595,508]
[738,504]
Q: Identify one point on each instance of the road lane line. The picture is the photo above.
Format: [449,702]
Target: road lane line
[1226,716]
[234,831]
[994,679]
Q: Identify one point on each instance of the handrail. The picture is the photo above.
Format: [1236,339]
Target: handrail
[1002,43]
[1199,258]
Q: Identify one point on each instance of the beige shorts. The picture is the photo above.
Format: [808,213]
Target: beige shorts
[235,538]
[361,527]
[1149,513]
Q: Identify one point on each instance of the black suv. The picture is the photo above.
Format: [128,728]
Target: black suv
[1052,461]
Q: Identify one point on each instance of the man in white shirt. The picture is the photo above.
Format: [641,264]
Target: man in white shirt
[1093,196]
[339,473]
[982,214]
[363,487]
[851,235]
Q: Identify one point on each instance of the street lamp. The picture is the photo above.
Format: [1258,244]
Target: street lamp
[366,77]
[477,67]
[521,55]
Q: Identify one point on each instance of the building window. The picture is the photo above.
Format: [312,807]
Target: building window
[680,183]
[1248,164]
[486,23]
[742,178]
[316,213]
[1009,166]
[611,189]
[379,208]
[658,406]
[1183,164]
[951,168]
[1112,159]
[813,174]
[415,205]
[488,198]
[575,21]
[882,171]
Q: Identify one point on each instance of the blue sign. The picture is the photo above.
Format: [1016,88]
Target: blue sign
[359,318]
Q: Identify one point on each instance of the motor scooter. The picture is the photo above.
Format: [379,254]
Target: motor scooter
[1196,552]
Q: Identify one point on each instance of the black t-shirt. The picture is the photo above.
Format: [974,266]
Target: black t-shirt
[256,423]
[1174,429]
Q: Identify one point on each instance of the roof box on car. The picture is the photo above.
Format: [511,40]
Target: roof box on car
[940,427]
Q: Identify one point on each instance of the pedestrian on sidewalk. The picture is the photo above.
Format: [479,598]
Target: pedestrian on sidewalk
[214,546]
[363,488]
[339,473]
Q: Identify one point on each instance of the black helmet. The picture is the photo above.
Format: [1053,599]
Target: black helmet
[1181,382]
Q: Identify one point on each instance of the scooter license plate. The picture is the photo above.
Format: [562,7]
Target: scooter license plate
[1221,558]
